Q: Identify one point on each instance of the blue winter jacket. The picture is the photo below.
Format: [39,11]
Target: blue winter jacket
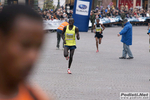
[127,34]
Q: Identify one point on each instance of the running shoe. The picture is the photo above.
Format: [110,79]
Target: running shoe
[130,57]
[69,72]
[57,48]
[67,58]
[97,51]
[122,58]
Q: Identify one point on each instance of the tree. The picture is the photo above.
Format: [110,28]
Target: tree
[58,5]
[48,4]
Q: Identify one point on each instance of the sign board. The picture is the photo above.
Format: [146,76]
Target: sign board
[82,7]
[81,14]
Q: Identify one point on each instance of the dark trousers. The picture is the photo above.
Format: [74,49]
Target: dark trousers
[59,36]
[92,27]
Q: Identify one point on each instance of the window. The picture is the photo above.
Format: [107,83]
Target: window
[10,2]
[70,2]
[98,3]
[114,3]
[67,1]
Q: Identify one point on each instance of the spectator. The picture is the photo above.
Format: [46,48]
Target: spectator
[127,16]
[138,7]
[61,16]
[55,16]
[147,14]
[138,13]
[58,15]
[104,15]
[122,7]
[51,12]
[123,17]
[117,14]
[97,7]
[135,13]
[44,15]
[100,16]
[108,13]
[92,18]
[101,8]
[143,14]
[48,16]
[126,7]
[106,10]
[59,33]
[112,12]
[70,14]
[126,40]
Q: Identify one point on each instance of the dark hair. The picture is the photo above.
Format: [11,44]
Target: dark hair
[71,19]
[10,13]
[125,20]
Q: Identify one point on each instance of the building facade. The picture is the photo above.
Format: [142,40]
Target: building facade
[131,3]
[96,3]
[145,4]
[9,2]
[70,3]
[117,3]
[148,4]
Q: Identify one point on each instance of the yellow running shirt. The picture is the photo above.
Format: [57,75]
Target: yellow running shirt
[98,28]
[70,36]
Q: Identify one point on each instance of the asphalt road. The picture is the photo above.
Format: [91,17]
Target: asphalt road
[95,76]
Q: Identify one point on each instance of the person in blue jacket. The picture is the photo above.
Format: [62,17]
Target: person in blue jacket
[126,40]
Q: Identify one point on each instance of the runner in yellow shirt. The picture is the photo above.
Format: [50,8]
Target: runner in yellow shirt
[68,36]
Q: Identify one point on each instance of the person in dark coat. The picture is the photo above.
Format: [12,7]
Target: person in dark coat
[92,19]
[123,15]
[126,40]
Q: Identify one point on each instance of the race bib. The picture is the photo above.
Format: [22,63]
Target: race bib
[69,37]
[98,29]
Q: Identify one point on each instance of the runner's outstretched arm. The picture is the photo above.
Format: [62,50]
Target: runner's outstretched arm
[94,29]
[77,33]
[103,27]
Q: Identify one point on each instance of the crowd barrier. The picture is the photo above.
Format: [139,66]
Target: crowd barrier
[53,25]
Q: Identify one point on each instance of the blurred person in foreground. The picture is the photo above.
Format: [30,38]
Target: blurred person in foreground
[21,38]
[126,40]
